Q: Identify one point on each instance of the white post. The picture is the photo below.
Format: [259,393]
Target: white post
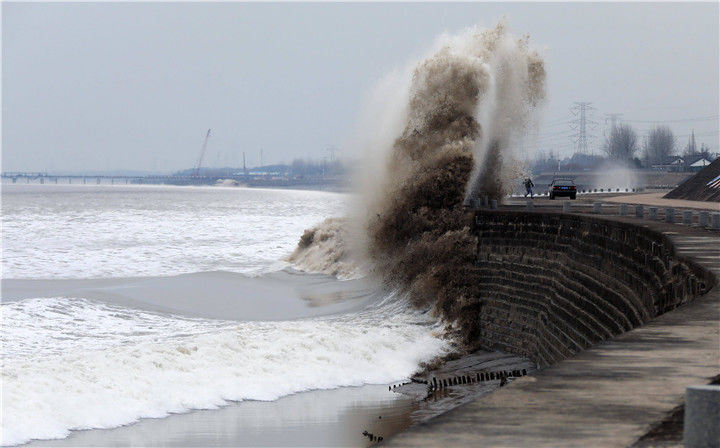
[703,219]
[715,221]
[702,415]
[670,215]
[639,211]
[687,217]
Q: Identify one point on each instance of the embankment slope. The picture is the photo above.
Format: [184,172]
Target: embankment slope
[554,284]
[703,186]
[559,283]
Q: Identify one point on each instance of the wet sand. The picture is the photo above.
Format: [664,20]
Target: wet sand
[319,418]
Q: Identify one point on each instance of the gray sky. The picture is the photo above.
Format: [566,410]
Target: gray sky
[102,86]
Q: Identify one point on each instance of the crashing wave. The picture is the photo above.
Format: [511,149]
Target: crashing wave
[468,107]
[327,249]
[71,364]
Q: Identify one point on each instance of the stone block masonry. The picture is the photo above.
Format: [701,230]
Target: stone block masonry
[555,284]
[612,393]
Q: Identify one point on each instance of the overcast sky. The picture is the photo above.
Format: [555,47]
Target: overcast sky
[100,86]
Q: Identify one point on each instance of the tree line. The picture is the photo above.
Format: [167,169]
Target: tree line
[622,146]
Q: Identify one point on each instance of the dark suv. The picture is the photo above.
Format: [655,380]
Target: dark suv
[562,187]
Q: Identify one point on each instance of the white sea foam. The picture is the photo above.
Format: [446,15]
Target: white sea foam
[73,364]
[104,231]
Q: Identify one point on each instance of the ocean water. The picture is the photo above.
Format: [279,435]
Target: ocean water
[72,363]
[69,231]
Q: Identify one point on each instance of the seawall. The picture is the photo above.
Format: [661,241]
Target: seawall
[554,284]
[621,298]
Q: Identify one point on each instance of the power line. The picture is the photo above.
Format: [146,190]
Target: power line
[557,121]
[700,134]
[697,134]
[566,133]
[681,120]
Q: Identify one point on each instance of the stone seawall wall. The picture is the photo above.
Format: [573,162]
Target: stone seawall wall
[554,284]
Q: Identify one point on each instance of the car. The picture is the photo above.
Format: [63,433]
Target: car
[562,187]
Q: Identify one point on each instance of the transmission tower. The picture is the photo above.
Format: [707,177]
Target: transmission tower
[583,126]
[614,119]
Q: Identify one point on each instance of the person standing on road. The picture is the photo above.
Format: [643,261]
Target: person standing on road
[529,187]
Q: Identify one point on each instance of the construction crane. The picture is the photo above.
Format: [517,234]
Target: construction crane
[202,153]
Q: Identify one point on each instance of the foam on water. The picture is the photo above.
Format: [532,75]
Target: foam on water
[69,231]
[71,363]
[74,364]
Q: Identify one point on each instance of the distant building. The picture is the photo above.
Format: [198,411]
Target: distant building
[694,162]
[672,163]
[699,164]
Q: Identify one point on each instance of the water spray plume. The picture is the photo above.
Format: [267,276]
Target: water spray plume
[468,105]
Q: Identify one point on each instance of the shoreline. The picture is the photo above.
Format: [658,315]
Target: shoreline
[334,417]
[344,416]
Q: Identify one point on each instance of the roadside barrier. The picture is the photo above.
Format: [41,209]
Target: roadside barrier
[670,215]
[703,219]
[639,211]
[687,217]
[715,221]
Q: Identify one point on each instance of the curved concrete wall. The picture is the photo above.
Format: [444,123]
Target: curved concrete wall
[554,284]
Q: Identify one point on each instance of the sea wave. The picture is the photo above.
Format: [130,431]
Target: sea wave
[328,248]
[75,232]
[70,364]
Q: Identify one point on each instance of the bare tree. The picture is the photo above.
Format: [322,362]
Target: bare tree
[621,145]
[659,146]
[705,151]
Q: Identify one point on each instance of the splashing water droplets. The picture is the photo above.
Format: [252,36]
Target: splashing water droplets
[468,106]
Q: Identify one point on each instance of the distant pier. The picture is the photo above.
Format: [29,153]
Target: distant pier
[250,180]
